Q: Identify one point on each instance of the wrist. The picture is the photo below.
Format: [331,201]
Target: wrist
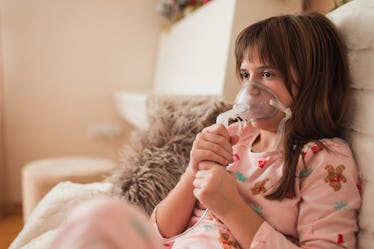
[190,170]
[243,221]
[188,175]
[234,210]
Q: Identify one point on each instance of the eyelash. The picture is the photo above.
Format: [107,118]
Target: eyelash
[245,75]
[268,73]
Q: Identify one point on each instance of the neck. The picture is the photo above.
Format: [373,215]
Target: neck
[266,141]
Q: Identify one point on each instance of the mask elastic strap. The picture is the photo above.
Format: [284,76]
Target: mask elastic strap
[282,123]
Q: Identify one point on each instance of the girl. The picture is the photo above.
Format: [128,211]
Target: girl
[302,193]
[291,182]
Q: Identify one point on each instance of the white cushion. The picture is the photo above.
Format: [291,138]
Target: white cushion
[355,20]
[361,116]
[361,65]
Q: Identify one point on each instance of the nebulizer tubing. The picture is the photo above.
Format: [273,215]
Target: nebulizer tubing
[236,113]
[253,102]
[223,118]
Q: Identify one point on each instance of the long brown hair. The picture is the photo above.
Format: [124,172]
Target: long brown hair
[309,53]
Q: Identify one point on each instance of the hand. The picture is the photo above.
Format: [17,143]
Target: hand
[212,144]
[216,188]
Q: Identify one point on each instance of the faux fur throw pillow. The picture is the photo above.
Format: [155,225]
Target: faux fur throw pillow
[154,160]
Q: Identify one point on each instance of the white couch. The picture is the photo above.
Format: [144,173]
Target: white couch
[355,20]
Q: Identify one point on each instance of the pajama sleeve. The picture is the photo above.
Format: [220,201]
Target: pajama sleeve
[329,193]
[153,222]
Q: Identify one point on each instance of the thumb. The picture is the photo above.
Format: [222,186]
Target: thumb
[234,139]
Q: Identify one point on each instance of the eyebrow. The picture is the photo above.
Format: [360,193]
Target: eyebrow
[261,67]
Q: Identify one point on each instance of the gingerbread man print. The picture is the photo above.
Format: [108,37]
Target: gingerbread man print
[226,242]
[259,187]
[335,176]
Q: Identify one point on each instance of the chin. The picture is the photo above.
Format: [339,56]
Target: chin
[270,125]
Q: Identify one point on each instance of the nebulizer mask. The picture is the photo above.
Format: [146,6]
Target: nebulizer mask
[255,102]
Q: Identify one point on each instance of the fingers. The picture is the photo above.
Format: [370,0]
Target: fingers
[201,182]
[204,166]
[208,155]
[234,139]
[210,183]
[203,173]
[216,139]
[218,129]
[215,144]
[212,144]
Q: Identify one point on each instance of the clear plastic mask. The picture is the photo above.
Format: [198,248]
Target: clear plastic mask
[253,102]
[257,100]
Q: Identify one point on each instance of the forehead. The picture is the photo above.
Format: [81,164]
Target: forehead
[252,56]
[251,59]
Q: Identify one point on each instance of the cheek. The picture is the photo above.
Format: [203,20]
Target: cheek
[285,98]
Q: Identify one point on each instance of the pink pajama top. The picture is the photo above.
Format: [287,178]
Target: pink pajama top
[323,214]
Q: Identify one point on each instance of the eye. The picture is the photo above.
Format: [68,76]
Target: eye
[244,75]
[266,74]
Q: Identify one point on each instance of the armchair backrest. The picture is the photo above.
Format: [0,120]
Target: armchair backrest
[355,21]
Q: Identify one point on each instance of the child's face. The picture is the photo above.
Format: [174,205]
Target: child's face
[270,77]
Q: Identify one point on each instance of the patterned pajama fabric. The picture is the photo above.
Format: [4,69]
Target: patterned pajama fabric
[323,214]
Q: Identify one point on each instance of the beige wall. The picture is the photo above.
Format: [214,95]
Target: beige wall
[2,162]
[63,59]
[322,6]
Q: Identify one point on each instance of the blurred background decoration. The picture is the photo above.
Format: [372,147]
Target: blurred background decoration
[338,3]
[174,10]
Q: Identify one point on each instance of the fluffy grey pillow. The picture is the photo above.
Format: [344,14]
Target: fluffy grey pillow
[153,161]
